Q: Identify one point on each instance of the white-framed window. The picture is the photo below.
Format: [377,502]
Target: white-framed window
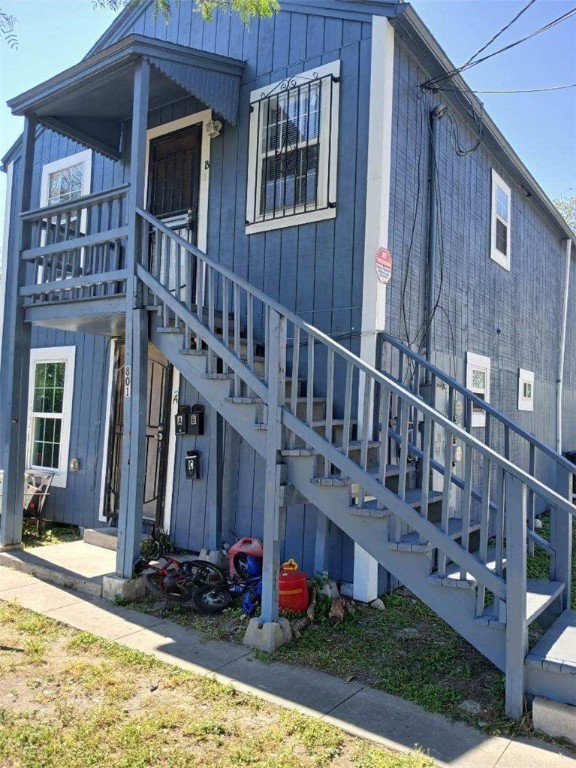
[66,179]
[500,221]
[50,410]
[293,148]
[525,390]
[478,381]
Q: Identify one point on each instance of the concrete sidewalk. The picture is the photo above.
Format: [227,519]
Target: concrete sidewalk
[357,709]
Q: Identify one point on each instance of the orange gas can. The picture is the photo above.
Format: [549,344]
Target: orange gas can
[293,588]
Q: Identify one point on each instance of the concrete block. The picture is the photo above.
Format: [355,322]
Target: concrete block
[115,587]
[107,538]
[216,556]
[554,718]
[267,636]
[11,547]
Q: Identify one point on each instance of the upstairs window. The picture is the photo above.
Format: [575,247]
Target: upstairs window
[66,179]
[500,229]
[478,381]
[293,150]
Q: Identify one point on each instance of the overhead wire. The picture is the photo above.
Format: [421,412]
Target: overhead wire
[432,82]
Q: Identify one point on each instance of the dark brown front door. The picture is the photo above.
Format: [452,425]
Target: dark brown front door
[174,179]
[157,430]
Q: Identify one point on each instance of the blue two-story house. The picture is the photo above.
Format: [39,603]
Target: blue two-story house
[251,284]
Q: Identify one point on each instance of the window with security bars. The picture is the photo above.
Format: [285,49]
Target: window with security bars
[51,379]
[500,227]
[293,148]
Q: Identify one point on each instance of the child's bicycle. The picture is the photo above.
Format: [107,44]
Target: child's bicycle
[176,580]
[246,581]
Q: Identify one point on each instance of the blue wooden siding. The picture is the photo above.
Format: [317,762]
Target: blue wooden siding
[512,317]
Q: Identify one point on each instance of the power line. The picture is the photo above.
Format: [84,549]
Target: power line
[520,90]
[497,35]
[432,82]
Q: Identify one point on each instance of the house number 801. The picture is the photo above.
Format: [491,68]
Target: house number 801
[127,381]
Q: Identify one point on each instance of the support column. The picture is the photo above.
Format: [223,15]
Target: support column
[136,351]
[268,632]
[516,629]
[15,362]
[561,540]
[375,237]
[321,548]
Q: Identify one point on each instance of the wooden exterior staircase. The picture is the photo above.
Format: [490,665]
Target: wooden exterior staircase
[356,442]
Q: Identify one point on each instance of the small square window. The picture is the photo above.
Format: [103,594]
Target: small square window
[525,390]
[500,221]
[292,151]
[478,382]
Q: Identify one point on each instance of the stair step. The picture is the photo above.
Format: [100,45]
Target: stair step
[541,594]
[170,329]
[452,578]
[556,650]
[413,497]
[411,541]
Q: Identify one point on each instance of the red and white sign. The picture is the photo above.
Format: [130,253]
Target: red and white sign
[384,265]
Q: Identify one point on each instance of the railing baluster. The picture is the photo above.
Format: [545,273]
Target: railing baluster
[294,381]
[347,408]
[310,384]
[225,317]
[237,339]
[250,332]
[499,520]
[484,530]
[385,396]
[466,502]
[402,466]
[165,260]
[425,465]
[446,489]
[211,318]
[532,499]
[329,415]
[367,425]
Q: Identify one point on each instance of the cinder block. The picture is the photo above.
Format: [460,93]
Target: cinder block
[115,587]
[267,636]
[554,718]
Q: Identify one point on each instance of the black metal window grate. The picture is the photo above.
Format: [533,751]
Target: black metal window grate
[293,168]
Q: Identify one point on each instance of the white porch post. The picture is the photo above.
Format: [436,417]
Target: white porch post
[136,359]
[376,236]
[15,362]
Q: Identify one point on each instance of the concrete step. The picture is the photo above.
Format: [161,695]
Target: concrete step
[551,664]
[107,538]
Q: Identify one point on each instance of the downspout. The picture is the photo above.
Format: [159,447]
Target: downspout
[435,115]
[560,377]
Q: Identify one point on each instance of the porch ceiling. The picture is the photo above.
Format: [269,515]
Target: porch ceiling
[90,101]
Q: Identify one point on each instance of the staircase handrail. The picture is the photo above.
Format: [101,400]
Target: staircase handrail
[478,401]
[550,496]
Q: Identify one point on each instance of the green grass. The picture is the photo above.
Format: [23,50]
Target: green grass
[87,703]
[57,534]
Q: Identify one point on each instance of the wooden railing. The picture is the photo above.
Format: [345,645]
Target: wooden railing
[76,250]
[369,419]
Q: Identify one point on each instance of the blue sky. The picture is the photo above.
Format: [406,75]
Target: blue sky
[55,34]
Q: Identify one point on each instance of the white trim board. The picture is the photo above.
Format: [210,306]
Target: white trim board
[84,157]
[5,244]
[375,236]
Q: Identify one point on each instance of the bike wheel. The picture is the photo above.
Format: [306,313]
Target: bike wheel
[212,599]
[202,572]
[173,589]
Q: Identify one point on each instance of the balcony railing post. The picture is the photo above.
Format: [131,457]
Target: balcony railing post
[14,367]
[136,360]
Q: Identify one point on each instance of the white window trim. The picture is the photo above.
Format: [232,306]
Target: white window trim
[54,355]
[476,362]
[525,377]
[60,165]
[328,152]
[496,255]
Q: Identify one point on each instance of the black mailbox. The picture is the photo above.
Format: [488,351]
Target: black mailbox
[192,464]
[182,419]
[197,420]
